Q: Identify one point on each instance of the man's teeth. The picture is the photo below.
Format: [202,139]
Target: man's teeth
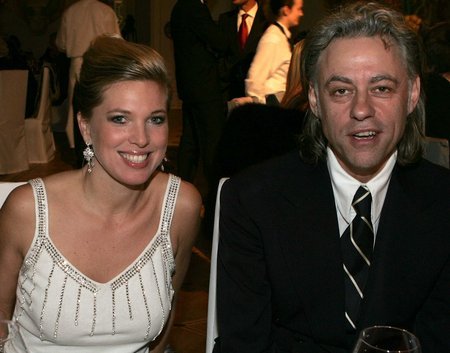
[135,158]
[365,134]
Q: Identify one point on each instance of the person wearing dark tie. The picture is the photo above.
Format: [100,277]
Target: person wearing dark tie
[268,71]
[243,26]
[353,229]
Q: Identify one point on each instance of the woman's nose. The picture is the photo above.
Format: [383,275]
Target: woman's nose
[139,136]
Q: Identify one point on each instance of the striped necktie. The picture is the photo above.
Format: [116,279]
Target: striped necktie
[357,246]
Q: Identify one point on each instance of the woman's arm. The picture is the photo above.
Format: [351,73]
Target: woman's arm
[184,230]
[17,223]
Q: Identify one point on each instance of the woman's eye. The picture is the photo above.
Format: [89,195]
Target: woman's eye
[118,119]
[158,119]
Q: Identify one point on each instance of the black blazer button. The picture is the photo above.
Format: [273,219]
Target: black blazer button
[298,338]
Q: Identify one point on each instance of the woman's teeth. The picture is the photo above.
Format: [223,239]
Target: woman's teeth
[135,158]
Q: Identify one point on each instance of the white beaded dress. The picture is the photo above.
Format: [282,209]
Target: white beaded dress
[61,310]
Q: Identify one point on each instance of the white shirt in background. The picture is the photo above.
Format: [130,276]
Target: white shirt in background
[269,68]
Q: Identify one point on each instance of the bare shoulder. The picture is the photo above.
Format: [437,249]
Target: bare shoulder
[186,219]
[189,197]
[17,218]
[20,201]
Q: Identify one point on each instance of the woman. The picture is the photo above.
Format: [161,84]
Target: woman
[269,68]
[294,97]
[95,263]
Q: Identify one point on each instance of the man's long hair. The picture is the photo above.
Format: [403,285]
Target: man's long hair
[363,20]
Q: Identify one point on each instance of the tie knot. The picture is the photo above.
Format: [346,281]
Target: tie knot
[244,16]
[362,202]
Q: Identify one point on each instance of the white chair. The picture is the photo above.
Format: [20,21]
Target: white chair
[38,130]
[13,94]
[211,326]
[437,151]
[6,188]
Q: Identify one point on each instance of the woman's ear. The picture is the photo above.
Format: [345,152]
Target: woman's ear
[84,126]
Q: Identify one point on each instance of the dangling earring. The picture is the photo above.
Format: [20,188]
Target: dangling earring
[88,154]
[161,166]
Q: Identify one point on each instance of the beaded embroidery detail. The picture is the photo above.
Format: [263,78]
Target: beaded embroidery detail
[42,243]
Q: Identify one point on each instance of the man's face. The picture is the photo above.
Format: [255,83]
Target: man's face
[294,13]
[363,97]
[241,3]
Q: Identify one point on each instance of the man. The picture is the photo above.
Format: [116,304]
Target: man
[197,43]
[302,266]
[243,26]
[80,24]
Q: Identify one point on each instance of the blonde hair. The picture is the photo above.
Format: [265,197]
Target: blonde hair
[111,59]
[294,97]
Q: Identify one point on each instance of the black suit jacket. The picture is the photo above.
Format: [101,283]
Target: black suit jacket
[280,276]
[197,43]
[236,62]
[437,106]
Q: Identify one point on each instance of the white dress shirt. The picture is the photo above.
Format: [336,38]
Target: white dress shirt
[251,17]
[269,68]
[345,186]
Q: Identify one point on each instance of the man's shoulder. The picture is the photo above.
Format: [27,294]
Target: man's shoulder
[275,172]
[228,16]
[424,180]
[90,4]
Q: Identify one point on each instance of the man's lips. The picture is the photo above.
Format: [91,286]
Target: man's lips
[365,135]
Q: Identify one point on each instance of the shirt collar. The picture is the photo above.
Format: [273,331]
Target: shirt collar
[345,186]
[286,30]
[251,12]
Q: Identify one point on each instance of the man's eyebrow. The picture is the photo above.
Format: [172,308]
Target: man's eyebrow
[337,78]
[375,79]
[379,78]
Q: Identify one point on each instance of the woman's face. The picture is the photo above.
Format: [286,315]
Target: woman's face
[128,131]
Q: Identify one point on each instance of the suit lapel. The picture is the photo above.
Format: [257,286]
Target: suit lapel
[387,289]
[258,28]
[309,241]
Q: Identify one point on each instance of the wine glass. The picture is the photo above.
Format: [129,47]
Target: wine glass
[387,339]
[8,329]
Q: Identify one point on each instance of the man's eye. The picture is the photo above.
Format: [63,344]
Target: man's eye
[383,89]
[340,92]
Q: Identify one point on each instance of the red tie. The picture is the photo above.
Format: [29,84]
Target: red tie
[243,31]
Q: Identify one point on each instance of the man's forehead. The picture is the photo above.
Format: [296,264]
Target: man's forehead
[350,53]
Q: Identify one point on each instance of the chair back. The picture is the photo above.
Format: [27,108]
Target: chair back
[38,130]
[211,327]
[437,151]
[13,94]
[6,188]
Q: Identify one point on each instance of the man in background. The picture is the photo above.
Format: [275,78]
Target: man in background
[80,24]
[197,43]
[243,27]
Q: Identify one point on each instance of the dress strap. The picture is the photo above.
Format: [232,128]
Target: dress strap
[167,214]
[40,197]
